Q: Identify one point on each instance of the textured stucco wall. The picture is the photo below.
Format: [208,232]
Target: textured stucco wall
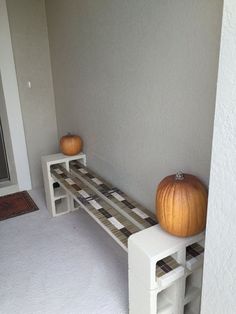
[28,27]
[219,285]
[136,79]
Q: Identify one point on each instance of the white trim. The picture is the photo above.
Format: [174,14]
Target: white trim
[8,189]
[12,101]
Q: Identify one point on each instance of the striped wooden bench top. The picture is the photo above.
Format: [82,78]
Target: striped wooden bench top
[109,218]
[165,266]
[194,256]
[119,226]
[118,199]
[194,251]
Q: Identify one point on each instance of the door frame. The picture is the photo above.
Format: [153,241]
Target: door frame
[12,104]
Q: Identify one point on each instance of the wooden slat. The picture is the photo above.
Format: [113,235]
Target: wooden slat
[166,265]
[108,217]
[123,203]
[194,251]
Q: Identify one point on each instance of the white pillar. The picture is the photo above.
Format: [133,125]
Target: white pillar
[219,283]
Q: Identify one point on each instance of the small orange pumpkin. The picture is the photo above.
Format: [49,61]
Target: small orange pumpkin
[181,205]
[70,144]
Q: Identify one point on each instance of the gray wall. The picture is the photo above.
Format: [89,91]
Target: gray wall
[28,26]
[219,284]
[136,79]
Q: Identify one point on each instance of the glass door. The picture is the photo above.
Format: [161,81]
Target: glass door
[4,171]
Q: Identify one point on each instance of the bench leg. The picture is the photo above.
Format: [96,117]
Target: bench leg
[141,300]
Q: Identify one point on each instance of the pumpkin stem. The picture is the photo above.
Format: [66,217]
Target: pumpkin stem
[179,176]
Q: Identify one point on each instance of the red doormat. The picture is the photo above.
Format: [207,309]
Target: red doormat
[16,204]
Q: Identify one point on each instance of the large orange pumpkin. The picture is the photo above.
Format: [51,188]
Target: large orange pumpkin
[70,144]
[181,205]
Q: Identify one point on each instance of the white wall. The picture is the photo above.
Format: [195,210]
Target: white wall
[136,79]
[31,52]
[219,285]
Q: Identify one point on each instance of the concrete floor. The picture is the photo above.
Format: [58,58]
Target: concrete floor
[63,265]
